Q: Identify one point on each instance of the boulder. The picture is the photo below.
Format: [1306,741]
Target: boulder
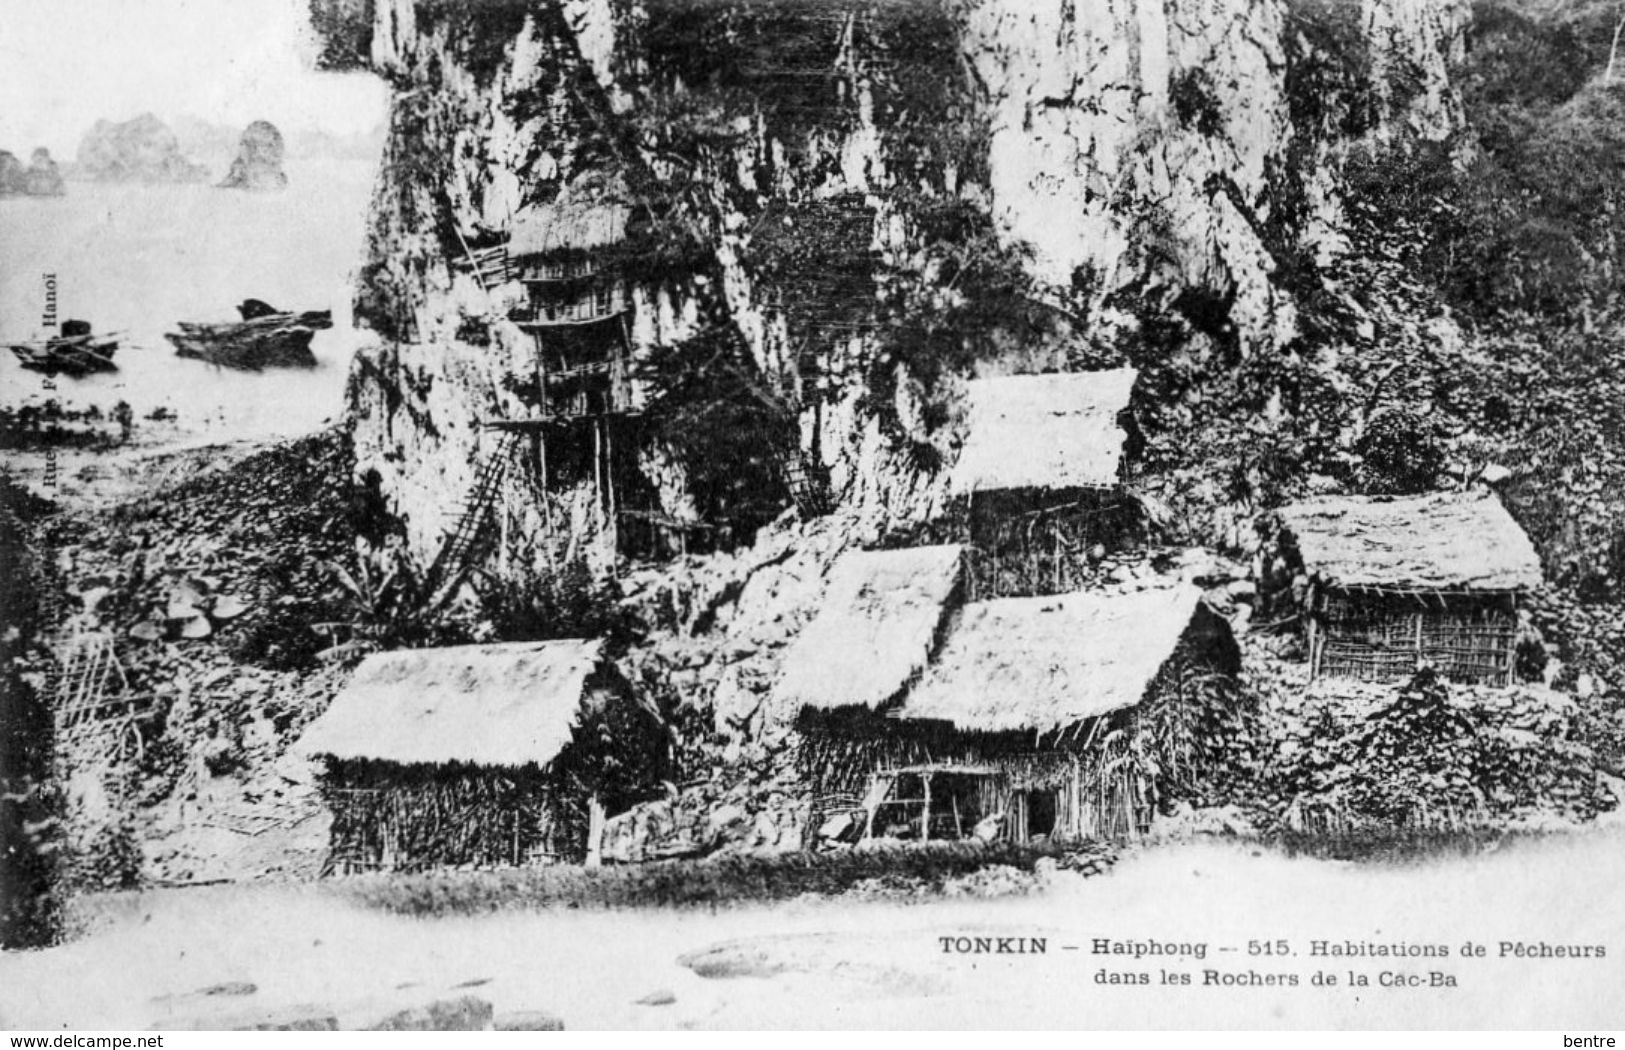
[300,1018]
[466,1013]
[528,1021]
[229,607]
[147,631]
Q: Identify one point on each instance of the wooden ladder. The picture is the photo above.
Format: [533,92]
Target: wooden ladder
[808,487]
[471,528]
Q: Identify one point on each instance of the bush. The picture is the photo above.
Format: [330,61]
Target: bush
[1426,763]
[1400,454]
[682,883]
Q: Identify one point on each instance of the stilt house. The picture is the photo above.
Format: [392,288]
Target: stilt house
[1384,584]
[1039,479]
[1044,718]
[481,755]
[570,256]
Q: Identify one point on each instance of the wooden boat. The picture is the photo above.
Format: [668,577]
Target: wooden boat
[265,338]
[76,352]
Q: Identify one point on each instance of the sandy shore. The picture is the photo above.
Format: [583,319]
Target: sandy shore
[856,964]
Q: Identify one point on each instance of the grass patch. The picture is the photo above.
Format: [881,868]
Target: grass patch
[708,882]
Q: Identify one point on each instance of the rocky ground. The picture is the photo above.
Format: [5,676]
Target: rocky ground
[205,570]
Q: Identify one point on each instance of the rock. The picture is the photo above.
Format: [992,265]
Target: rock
[226,988]
[1494,474]
[466,1013]
[302,1018]
[12,176]
[181,611]
[147,631]
[258,164]
[229,607]
[42,179]
[528,1021]
[658,997]
[93,597]
[143,149]
[197,627]
[189,592]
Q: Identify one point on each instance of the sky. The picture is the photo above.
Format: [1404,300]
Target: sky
[64,64]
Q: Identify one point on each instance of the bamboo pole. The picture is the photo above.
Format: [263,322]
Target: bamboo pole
[595,832]
[925,818]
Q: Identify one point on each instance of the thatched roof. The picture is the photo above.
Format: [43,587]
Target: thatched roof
[1439,541]
[580,224]
[880,615]
[1044,431]
[1046,663]
[497,705]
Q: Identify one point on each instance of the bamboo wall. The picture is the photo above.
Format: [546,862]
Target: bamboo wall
[1376,636]
[1098,788]
[1028,542]
[1108,775]
[397,818]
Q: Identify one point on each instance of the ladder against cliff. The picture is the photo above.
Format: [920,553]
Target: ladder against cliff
[807,482]
[471,527]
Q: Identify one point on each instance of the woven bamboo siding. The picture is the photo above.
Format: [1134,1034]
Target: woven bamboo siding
[402,818]
[1090,803]
[1377,636]
[1032,542]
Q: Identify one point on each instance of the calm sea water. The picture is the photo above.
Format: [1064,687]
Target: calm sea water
[137,259]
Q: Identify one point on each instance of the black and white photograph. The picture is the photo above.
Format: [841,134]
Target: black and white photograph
[560,515]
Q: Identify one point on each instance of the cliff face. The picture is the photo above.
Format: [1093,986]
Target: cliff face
[854,206]
[1179,153]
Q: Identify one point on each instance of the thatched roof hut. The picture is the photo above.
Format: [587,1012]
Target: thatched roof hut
[1433,542]
[484,755]
[581,224]
[483,705]
[1057,431]
[1044,664]
[881,615]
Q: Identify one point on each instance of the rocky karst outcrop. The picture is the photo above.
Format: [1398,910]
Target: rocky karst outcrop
[870,202]
[1140,161]
[11,174]
[258,164]
[143,149]
[42,177]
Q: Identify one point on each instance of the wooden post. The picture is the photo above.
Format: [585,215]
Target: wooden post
[1419,614]
[609,485]
[539,365]
[925,817]
[595,832]
[598,473]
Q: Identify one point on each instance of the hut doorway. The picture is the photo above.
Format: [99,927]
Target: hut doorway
[1034,815]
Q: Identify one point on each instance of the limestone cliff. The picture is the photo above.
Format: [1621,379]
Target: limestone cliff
[143,149]
[854,206]
[258,164]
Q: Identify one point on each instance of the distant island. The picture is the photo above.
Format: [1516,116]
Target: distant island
[144,150]
[258,165]
[41,178]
